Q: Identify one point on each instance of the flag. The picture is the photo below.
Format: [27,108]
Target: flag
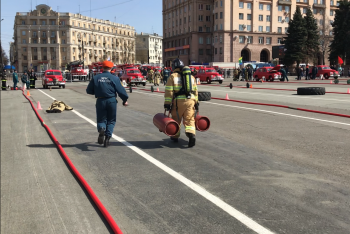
[240,60]
[340,61]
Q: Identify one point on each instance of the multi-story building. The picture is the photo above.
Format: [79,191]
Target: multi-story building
[46,39]
[149,48]
[203,31]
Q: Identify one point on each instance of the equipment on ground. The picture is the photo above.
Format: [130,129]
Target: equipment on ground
[311,91]
[202,123]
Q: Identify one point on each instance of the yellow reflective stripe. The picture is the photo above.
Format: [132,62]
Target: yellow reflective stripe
[168,99]
[169,87]
[181,97]
[190,128]
[177,88]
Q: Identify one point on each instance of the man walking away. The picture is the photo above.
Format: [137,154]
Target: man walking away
[314,72]
[284,74]
[25,80]
[250,73]
[307,73]
[105,86]
[15,79]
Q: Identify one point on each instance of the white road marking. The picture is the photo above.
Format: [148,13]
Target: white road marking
[195,187]
[281,95]
[266,111]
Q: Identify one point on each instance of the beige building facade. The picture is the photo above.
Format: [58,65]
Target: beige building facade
[149,48]
[45,39]
[225,30]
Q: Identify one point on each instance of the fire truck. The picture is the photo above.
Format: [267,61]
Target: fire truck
[77,70]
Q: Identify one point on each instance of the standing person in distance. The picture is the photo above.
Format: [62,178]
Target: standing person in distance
[181,98]
[15,79]
[105,86]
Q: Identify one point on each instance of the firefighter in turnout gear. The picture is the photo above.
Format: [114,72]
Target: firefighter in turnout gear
[181,98]
[157,77]
[150,75]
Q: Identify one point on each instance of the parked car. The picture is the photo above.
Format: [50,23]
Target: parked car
[326,71]
[269,73]
[53,78]
[209,75]
[133,76]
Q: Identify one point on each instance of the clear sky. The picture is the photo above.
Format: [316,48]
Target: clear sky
[144,15]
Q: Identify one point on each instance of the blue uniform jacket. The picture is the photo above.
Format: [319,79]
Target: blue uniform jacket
[106,85]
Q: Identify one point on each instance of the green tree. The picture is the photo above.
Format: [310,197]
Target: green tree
[312,43]
[4,58]
[341,31]
[295,40]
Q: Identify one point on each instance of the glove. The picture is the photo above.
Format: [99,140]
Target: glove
[125,103]
[196,105]
[167,107]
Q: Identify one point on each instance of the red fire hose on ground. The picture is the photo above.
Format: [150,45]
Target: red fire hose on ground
[81,179]
[274,105]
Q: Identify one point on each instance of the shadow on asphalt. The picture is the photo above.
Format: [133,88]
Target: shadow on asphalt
[86,147]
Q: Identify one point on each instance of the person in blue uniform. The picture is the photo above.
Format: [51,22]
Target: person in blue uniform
[105,86]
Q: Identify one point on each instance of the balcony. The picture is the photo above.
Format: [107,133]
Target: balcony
[319,5]
[284,2]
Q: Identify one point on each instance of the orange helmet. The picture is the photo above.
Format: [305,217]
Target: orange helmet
[108,64]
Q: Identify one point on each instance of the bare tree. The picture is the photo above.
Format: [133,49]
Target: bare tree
[4,58]
[325,38]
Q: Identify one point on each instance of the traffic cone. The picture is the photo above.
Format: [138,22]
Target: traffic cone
[331,82]
[38,107]
[157,89]
[251,86]
[24,86]
[28,94]
[348,91]
[227,97]
[198,81]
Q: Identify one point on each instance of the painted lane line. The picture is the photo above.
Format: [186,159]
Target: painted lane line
[266,111]
[195,187]
[281,95]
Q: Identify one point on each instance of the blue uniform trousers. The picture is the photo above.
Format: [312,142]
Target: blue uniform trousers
[14,84]
[106,112]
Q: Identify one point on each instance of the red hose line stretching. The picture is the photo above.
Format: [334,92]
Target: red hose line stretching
[87,187]
[274,105]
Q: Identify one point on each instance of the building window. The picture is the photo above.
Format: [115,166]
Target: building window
[241,39]
[221,15]
[279,8]
[332,3]
[23,22]
[220,50]
[249,28]
[249,16]
[34,22]
[287,19]
[24,57]
[220,3]
[260,28]
[250,40]
[279,41]
[261,6]
[304,10]
[241,16]
[241,5]
[24,49]
[267,28]
[331,13]
[200,18]
[208,51]
[63,41]
[208,40]
[216,15]
[53,22]
[268,7]
[23,33]
[207,7]
[201,40]
[286,29]
[24,41]
[221,27]
[268,40]
[207,29]
[279,19]
[200,51]
[241,27]
[286,8]
[207,18]
[279,29]
[249,5]
[200,29]
[200,7]
[268,18]
[261,17]
[261,40]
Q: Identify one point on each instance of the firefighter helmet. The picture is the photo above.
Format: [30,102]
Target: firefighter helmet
[177,63]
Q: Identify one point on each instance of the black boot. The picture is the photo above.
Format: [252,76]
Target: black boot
[106,143]
[191,139]
[174,139]
[101,136]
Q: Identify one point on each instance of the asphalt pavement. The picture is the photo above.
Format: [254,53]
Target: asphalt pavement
[259,169]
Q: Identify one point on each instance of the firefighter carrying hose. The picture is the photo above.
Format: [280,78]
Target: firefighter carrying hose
[181,97]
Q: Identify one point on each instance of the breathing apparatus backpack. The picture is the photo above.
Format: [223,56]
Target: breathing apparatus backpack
[186,79]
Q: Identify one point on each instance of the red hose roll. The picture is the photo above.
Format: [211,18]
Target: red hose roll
[166,124]
[202,123]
